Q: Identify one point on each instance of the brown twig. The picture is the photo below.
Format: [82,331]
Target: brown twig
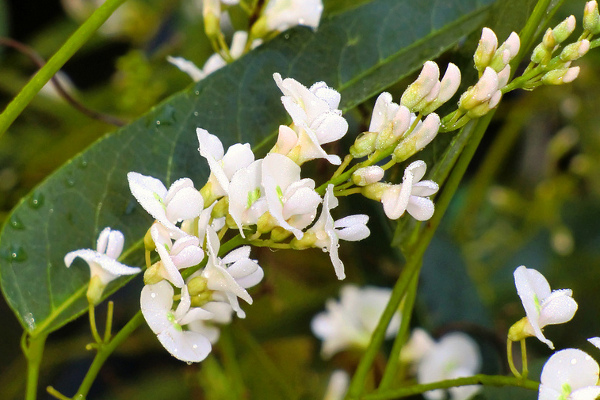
[39,62]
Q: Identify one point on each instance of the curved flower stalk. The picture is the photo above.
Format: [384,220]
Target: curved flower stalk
[103,263]
[230,276]
[542,305]
[411,196]
[350,322]
[222,165]
[168,207]
[326,233]
[156,302]
[569,374]
[317,121]
[455,355]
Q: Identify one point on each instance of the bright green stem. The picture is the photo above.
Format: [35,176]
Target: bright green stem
[488,380]
[391,369]
[81,35]
[106,350]
[33,348]
[509,357]
[528,33]
[524,359]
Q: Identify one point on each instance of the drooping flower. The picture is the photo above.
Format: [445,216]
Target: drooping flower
[222,165]
[350,322]
[569,374]
[542,305]
[455,355]
[182,201]
[229,276]
[103,263]
[328,232]
[412,195]
[157,307]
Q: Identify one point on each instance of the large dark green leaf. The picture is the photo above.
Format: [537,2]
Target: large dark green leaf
[360,52]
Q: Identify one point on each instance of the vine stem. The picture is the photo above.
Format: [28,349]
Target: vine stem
[74,43]
[488,380]
[104,351]
[33,348]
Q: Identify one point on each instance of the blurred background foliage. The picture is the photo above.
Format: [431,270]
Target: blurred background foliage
[532,197]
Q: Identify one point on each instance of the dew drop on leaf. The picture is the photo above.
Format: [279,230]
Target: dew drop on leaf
[16,223]
[36,200]
[14,253]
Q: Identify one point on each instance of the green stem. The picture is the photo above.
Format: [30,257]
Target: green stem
[81,35]
[488,380]
[524,359]
[391,369]
[93,328]
[106,350]
[33,348]
[528,33]
[509,357]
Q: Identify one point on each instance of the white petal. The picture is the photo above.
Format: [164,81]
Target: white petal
[156,301]
[187,203]
[353,227]
[102,241]
[425,188]
[115,244]
[237,254]
[570,366]
[532,288]
[188,67]
[238,156]
[420,208]
[101,265]
[595,341]
[147,191]
[186,346]
[184,304]
[558,308]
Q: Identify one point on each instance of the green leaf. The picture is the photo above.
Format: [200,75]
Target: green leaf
[359,52]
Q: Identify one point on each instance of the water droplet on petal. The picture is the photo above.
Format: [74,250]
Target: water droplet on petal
[573,361]
[195,346]
[188,362]
[36,200]
[16,223]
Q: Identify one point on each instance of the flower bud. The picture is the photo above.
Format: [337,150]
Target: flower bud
[485,49]
[418,139]
[308,240]
[503,77]
[575,50]
[560,76]
[421,87]
[548,40]
[197,285]
[591,19]
[95,290]
[448,87]
[279,234]
[520,330]
[481,92]
[541,54]
[201,299]
[364,144]
[153,274]
[211,13]
[484,108]
[563,30]
[375,190]
[506,52]
[367,175]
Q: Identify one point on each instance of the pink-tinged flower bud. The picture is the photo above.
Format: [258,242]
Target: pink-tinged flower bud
[485,49]
[448,87]
[481,92]
[591,19]
[575,50]
[506,52]
[560,76]
[503,77]
[418,139]
[563,30]
[484,108]
[549,41]
[364,144]
[367,175]
[421,87]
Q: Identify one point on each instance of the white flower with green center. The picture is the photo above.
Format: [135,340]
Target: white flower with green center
[350,322]
[291,201]
[455,355]
[181,202]
[103,263]
[411,196]
[570,374]
[329,232]
[229,276]
[172,326]
[542,305]
[222,165]
[246,202]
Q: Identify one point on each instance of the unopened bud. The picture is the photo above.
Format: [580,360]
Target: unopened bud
[448,87]
[421,87]
[367,175]
[375,190]
[484,108]
[279,234]
[591,19]
[548,40]
[197,285]
[563,30]
[503,77]
[575,50]
[506,52]
[307,241]
[364,144]
[201,299]
[153,274]
[541,54]
[266,223]
[211,13]
[560,76]
[481,92]
[423,134]
[221,209]
[485,49]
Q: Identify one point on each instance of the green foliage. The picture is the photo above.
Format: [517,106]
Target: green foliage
[238,103]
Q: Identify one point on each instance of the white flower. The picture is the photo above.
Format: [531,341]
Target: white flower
[350,322]
[337,386]
[291,201]
[222,165]
[328,232]
[542,306]
[103,263]
[389,120]
[184,253]
[569,374]
[246,201]
[411,195]
[284,14]
[316,119]
[168,207]
[229,276]
[419,344]
[156,303]
[456,355]
[221,315]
